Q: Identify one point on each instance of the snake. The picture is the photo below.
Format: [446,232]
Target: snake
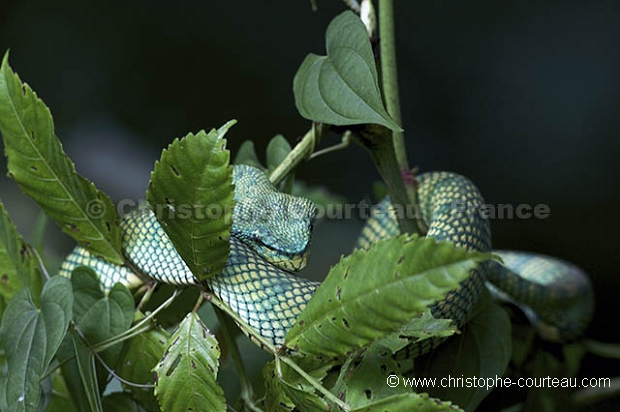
[270,238]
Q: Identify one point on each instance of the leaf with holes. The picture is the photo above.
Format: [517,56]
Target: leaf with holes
[342,88]
[483,350]
[38,163]
[365,381]
[18,266]
[275,399]
[185,378]
[419,402]
[303,394]
[30,336]
[418,329]
[191,192]
[101,316]
[370,294]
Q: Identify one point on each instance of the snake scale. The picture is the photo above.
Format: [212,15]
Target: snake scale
[271,233]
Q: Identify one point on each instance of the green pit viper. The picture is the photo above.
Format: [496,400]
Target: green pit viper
[270,238]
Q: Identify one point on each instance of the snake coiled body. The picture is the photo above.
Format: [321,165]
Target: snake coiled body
[270,237]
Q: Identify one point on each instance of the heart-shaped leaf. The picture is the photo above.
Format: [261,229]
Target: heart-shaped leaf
[342,88]
[101,316]
[30,336]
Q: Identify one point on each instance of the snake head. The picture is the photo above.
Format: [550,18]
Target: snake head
[275,225]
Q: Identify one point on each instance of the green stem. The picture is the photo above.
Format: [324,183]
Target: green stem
[389,77]
[405,193]
[247,394]
[300,152]
[137,328]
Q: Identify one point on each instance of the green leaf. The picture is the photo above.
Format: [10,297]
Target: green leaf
[44,172]
[319,195]
[342,88]
[299,391]
[18,265]
[61,400]
[246,155]
[419,328]
[101,316]
[119,402]
[37,235]
[141,355]
[419,402]
[30,336]
[275,399]
[86,365]
[191,193]
[71,374]
[277,149]
[482,351]
[370,294]
[365,382]
[185,378]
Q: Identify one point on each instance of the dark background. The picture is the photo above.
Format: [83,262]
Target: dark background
[521,97]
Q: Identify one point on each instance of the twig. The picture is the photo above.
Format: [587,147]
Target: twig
[300,152]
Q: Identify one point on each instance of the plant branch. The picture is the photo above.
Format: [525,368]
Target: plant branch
[389,77]
[300,152]
[137,328]
[404,193]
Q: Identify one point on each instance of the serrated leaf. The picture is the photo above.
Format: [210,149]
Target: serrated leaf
[186,375]
[246,155]
[275,399]
[86,366]
[277,149]
[482,351]
[191,193]
[419,402]
[370,294]
[140,356]
[30,336]
[419,328]
[365,382]
[101,316]
[44,172]
[299,391]
[18,266]
[342,88]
